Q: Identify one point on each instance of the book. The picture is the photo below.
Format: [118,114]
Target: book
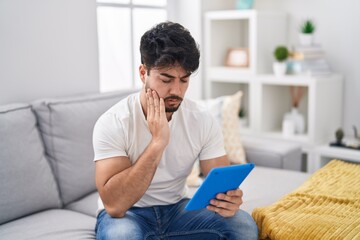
[310,48]
[307,52]
[300,55]
[308,60]
[309,67]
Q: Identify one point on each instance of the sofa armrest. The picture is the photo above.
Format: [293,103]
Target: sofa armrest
[273,153]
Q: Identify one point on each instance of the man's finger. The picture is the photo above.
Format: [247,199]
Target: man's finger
[156,101]
[225,205]
[237,192]
[150,103]
[221,211]
[162,108]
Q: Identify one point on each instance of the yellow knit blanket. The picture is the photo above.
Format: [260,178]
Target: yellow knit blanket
[326,206]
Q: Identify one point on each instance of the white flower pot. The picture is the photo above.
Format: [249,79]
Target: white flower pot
[298,120]
[279,68]
[293,123]
[243,122]
[288,127]
[306,39]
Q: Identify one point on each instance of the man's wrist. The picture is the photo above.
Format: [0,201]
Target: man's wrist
[158,145]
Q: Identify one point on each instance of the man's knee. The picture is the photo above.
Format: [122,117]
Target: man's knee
[119,231]
[241,226]
[121,228]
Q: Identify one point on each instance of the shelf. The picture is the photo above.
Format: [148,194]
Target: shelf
[242,75]
[295,80]
[302,139]
[287,80]
[338,152]
[266,97]
[323,154]
[230,74]
[258,31]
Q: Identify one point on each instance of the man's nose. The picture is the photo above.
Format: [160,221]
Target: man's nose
[175,88]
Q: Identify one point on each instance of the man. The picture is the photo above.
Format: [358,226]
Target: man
[145,147]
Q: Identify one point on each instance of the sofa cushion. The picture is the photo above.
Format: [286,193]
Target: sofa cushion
[264,186]
[27,184]
[230,128]
[50,225]
[87,205]
[66,126]
[226,110]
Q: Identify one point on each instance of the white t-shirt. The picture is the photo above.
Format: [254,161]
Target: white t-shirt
[194,134]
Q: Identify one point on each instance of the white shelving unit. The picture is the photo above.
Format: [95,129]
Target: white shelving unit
[320,106]
[257,31]
[323,154]
[266,98]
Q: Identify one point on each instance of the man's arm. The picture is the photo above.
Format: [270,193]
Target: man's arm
[224,204]
[119,182]
[207,165]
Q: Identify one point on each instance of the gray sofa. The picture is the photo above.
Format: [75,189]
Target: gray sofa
[47,172]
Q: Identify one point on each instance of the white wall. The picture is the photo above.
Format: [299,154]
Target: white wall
[181,12]
[338,31]
[189,13]
[47,49]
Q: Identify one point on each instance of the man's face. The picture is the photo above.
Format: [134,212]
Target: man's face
[170,83]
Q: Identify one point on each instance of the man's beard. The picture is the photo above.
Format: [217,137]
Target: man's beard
[168,109]
[173,109]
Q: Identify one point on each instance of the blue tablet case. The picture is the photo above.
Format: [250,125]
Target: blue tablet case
[219,180]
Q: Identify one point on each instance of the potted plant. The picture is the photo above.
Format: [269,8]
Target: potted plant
[243,118]
[281,54]
[307,30]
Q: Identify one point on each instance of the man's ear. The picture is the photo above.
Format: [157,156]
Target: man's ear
[142,72]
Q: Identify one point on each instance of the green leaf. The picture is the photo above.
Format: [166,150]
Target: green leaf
[281,53]
[308,27]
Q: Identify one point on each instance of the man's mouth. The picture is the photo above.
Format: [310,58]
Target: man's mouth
[173,99]
[172,103]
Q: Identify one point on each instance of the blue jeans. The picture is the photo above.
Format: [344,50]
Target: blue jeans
[173,222]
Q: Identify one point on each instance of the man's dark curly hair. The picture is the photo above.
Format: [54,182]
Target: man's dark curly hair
[168,44]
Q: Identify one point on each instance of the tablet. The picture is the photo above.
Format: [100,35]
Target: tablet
[219,180]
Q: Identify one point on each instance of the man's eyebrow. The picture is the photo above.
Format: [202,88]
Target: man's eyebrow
[171,76]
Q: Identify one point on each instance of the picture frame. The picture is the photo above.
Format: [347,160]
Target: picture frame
[237,57]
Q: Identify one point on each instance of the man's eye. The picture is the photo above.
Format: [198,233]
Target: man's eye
[166,81]
[184,80]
